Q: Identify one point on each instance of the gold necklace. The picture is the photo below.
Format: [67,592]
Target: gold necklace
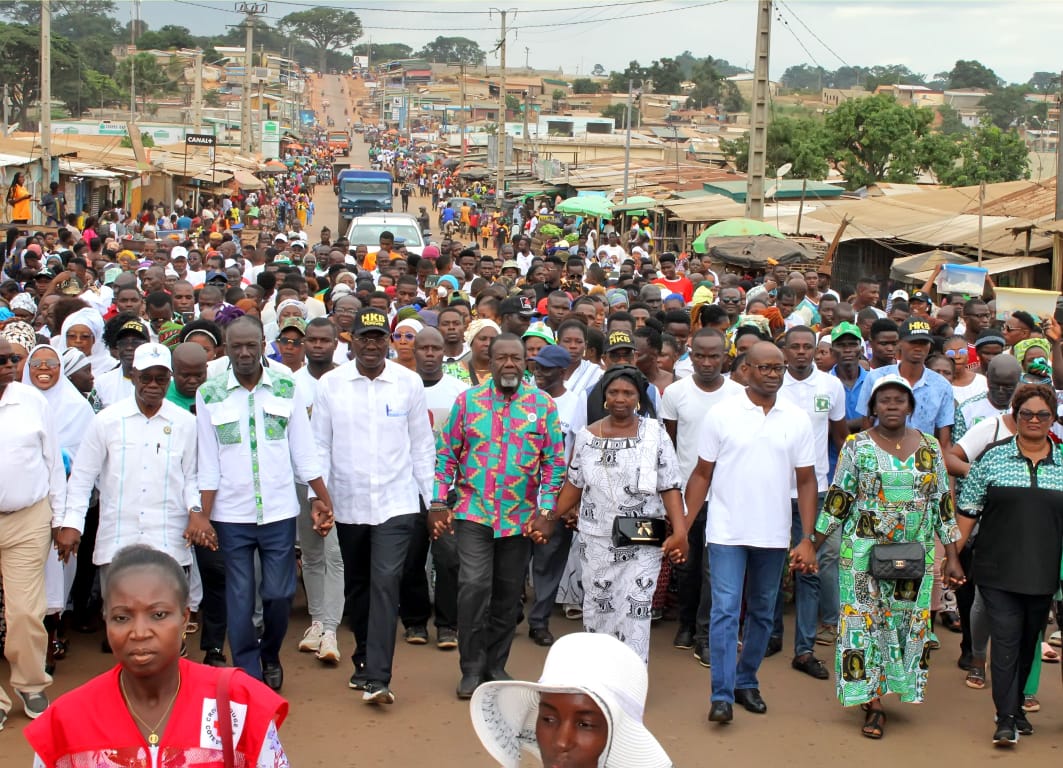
[153,736]
[897,446]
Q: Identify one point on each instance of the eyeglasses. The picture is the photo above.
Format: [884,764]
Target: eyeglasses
[764,370]
[735,300]
[1025,415]
[290,342]
[407,336]
[50,364]
[158,378]
[1010,329]
[13,359]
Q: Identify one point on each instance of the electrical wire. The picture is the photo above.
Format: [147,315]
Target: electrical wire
[812,32]
[800,42]
[389,9]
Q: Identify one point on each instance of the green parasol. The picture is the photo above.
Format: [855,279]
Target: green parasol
[735,228]
[586,206]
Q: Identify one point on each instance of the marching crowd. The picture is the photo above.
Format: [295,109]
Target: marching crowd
[420,436]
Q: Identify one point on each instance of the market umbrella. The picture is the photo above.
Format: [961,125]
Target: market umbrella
[586,206]
[451,162]
[274,166]
[758,251]
[735,228]
[635,200]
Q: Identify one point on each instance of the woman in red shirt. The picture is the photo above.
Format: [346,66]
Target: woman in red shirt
[155,709]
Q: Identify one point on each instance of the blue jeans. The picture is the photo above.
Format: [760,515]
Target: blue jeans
[758,569]
[806,593]
[275,544]
[829,592]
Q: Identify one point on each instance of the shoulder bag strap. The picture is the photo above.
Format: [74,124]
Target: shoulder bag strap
[225,720]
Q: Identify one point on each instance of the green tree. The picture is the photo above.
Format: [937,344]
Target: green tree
[383,51]
[876,139]
[557,97]
[584,85]
[20,54]
[710,87]
[805,78]
[991,155]
[801,141]
[512,103]
[150,79]
[732,100]
[951,124]
[327,29]
[665,76]
[848,77]
[938,153]
[167,38]
[445,50]
[973,74]
[891,74]
[618,112]
[29,11]
[598,70]
[1044,82]
[634,74]
[1007,106]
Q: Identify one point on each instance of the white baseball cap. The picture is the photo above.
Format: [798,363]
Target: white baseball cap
[151,356]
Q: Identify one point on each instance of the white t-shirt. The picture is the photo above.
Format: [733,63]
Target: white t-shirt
[685,403]
[440,398]
[755,455]
[976,387]
[822,397]
[982,435]
[572,413]
[614,255]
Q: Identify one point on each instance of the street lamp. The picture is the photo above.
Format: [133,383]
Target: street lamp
[781,171]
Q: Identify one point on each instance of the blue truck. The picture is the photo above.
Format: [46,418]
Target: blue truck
[360,191]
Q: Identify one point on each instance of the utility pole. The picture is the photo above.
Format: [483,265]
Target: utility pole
[758,127]
[461,117]
[247,129]
[134,24]
[7,95]
[46,93]
[1059,151]
[197,92]
[627,141]
[501,132]
[527,51]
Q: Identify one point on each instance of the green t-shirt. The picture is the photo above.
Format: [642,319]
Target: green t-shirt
[177,398]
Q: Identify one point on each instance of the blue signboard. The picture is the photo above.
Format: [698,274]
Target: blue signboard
[307,116]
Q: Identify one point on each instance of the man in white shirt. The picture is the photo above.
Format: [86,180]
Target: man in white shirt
[749,447]
[441,390]
[611,255]
[143,450]
[372,429]
[822,397]
[321,559]
[683,408]
[32,488]
[249,423]
[549,559]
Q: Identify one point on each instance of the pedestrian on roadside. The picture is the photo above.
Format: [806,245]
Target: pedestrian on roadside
[377,407]
[502,451]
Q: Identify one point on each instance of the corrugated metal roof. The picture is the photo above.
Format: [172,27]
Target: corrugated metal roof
[995,266]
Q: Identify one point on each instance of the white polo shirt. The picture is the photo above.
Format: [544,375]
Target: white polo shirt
[755,456]
[685,403]
[822,397]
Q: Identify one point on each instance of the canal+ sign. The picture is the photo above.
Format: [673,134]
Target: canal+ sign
[200,140]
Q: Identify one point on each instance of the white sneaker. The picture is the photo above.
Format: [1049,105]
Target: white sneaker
[312,637]
[328,650]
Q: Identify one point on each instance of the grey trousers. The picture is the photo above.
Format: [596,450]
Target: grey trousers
[548,566]
[322,568]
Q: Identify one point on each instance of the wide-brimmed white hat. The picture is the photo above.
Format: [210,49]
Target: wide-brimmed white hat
[599,665]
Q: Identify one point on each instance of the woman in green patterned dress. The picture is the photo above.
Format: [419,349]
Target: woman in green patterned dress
[890,486]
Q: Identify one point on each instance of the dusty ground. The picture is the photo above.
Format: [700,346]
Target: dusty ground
[805,726]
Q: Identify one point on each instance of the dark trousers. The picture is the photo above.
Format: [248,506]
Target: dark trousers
[490,580]
[415,605]
[964,600]
[1015,624]
[548,566]
[373,560]
[695,581]
[275,544]
[86,605]
[211,566]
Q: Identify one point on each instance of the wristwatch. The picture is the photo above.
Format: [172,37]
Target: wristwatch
[196,509]
[544,512]
[811,537]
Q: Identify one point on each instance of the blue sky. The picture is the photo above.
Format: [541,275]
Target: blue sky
[1014,38]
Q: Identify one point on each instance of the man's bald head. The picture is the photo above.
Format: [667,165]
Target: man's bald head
[189,368]
[428,336]
[764,353]
[190,352]
[428,354]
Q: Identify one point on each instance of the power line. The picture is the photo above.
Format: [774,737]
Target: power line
[460,13]
[812,32]
[785,23]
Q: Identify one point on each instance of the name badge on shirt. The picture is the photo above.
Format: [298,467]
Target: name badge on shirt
[395,411]
[822,403]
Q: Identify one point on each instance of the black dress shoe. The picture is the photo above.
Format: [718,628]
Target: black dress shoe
[811,666]
[751,700]
[721,712]
[467,685]
[541,636]
[684,639]
[215,658]
[701,653]
[774,646]
[273,675]
[498,676]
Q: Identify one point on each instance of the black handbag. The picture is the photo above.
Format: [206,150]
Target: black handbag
[898,562]
[633,531]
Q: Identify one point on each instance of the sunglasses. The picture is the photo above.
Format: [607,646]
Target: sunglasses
[50,364]
[13,359]
[407,336]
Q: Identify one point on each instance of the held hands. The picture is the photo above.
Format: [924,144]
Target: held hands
[321,514]
[953,573]
[540,528]
[67,541]
[200,532]
[676,547]
[439,520]
[570,518]
[803,558]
